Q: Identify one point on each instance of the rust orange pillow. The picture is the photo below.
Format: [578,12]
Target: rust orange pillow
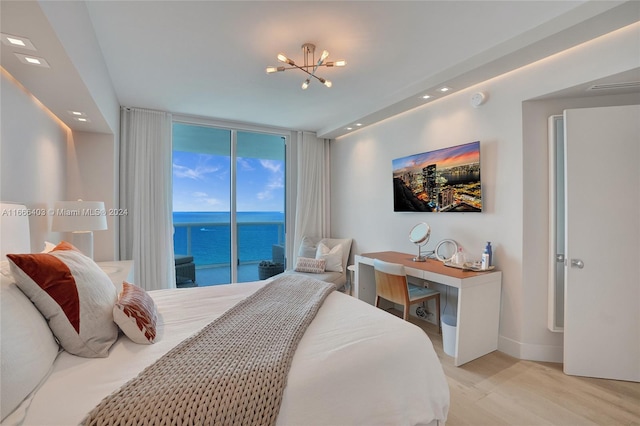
[74,295]
[136,315]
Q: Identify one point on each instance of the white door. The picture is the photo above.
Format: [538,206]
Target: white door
[602,292]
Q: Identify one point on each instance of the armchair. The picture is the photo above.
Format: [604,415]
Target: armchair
[335,251]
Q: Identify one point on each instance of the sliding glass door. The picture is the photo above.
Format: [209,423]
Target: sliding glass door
[228,202]
[260,202]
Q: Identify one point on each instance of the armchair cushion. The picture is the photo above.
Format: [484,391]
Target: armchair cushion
[335,278]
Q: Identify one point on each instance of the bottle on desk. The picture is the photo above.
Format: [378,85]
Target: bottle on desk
[486,257]
[459,257]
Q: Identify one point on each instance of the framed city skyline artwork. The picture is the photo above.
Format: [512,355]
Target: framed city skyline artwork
[444,180]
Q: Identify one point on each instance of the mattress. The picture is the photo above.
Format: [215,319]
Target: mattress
[355,365]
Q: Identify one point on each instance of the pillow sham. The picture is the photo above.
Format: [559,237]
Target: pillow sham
[136,315]
[73,294]
[314,266]
[28,348]
[333,257]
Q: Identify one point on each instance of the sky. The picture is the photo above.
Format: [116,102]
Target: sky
[201,182]
[447,157]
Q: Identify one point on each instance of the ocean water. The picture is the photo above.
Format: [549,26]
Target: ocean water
[211,235]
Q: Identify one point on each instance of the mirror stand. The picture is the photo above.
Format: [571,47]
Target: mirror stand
[419,257]
[419,235]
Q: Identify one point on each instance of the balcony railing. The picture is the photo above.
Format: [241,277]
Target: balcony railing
[210,243]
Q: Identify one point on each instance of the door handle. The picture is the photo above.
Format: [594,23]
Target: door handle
[560,258]
[577,263]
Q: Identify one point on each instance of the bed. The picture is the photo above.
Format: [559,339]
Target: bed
[353,365]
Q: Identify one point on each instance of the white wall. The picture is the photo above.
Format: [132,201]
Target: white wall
[43,161]
[91,176]
[361,185]
[69,19]
[33,153]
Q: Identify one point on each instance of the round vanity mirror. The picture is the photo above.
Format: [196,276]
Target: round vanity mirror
[445,250]
[419,235]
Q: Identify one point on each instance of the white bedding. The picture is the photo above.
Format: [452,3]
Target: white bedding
[355,365]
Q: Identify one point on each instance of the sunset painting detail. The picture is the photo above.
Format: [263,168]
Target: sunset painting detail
[444,180]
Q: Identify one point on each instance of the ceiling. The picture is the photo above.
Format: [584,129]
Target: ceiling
[208,58]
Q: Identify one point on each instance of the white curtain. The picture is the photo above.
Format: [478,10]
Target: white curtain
[146,232]
[313,190]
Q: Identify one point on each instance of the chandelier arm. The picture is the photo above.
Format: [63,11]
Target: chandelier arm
[318,64]
[302,67]
[320,79]
[304,70]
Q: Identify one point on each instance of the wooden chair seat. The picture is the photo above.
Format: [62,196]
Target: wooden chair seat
[392,285]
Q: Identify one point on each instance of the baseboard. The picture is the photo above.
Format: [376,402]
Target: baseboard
[544,353]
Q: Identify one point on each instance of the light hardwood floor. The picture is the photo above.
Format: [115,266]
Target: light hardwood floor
[497,389]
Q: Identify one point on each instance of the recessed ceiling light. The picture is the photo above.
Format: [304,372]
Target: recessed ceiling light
[16,41]
[358,124]
[444,89]
[82,119]
[426,97]
[349,128]
[32,60]
[77,113]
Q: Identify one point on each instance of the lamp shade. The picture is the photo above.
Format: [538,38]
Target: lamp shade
[79,216]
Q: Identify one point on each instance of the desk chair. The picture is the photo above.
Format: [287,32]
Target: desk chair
[392,285]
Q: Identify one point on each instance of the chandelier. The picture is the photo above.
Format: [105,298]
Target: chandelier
[310,65]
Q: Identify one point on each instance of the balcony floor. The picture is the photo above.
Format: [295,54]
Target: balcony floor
[216,275]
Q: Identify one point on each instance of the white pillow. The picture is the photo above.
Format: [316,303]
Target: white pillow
[332,257]
[48,247]
[73,294]
[346,247]
[308,247]
[28,346]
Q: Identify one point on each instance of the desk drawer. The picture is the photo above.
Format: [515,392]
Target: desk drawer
[413,272]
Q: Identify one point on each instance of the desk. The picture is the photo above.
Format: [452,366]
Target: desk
[478,310]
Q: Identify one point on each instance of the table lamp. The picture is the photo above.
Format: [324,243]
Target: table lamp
[80,218]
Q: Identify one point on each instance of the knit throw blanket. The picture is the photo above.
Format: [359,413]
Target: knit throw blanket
[232,372]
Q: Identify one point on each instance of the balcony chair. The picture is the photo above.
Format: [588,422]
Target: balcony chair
[185,269]
[392,285]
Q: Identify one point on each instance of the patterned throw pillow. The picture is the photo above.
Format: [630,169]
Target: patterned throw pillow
[74,295]
[314,266]
[136,315]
